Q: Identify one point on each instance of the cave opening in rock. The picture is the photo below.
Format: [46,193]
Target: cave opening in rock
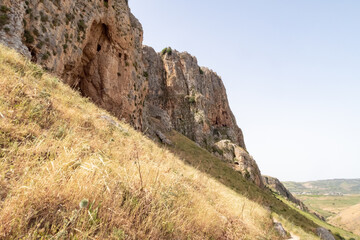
[100,73]
[92,72]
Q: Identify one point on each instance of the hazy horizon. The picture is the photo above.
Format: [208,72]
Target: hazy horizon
[291,70]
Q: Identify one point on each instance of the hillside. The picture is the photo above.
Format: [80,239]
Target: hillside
[323,187]
[338,231]
[337,200]
[98,49]
[125,142]
[348,219]
[70,170]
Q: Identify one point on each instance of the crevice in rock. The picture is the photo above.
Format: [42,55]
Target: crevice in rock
[33,54]
[93,69]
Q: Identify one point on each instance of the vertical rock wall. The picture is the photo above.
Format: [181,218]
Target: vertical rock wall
[96,47]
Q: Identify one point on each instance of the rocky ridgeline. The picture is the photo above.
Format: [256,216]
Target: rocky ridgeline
[275,185]
[96,47]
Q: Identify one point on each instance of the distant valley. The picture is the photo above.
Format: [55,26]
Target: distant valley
[337,200]
[325,187]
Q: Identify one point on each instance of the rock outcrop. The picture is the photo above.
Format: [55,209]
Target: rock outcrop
[324,234]
[192,100]
[275,185]
[93,45]
[240,160]
[96,47]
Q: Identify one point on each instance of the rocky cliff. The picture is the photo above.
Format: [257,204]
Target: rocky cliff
[96,47]
[275,185]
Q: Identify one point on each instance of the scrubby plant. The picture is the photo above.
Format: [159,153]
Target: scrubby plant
[166,50]
[65,46]
[44,17]
[28,37]
[201,71]
[81,25]
[36,32]
[192,99]
[4,18]
[69,18]
[45,56]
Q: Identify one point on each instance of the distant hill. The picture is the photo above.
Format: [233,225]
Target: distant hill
[348,219]
[325,187]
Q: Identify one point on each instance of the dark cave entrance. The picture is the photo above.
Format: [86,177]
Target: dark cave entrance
[93,63]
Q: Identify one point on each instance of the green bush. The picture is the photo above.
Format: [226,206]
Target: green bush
[28,37]
[192,99]
[4,18]
[81,26]
[167,50]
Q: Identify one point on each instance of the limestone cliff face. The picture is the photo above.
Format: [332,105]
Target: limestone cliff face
[275,185]
[93,45]
[194,98]
[96,47]
[193,101]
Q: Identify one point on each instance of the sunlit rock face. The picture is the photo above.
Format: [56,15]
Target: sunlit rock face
[96,47]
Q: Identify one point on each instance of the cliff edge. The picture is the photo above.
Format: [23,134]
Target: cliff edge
[96,47]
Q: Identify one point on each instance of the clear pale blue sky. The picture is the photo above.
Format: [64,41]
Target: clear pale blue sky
[291,69]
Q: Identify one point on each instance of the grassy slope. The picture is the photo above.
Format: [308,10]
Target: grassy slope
[57,150]
[348,219]
[335,230]
[205,162]
[344,186]
[342,211]
[329,206]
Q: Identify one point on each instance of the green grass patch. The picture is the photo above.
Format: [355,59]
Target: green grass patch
[204,161]
[333,229]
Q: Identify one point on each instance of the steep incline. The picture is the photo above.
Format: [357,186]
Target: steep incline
[96,47]
[69,170]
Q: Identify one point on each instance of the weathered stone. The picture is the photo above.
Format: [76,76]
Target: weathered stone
[113,123]
[240,160]
[275,185]
[163,138]
[11,33]
[96,47]
[280,229]
[193,97]
[324,234]
[93,46]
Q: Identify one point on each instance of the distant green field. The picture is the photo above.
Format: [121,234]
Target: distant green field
[337,231]
[329,206]
[322,187]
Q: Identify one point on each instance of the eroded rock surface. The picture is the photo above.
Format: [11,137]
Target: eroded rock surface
[240,160]
[192,100]
[275,185]
[324,234]
[96,47]
[93,45]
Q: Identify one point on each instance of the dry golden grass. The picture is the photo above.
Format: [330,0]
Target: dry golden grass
[57,150]
[348,219]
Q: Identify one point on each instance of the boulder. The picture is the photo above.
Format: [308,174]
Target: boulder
[324,234]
